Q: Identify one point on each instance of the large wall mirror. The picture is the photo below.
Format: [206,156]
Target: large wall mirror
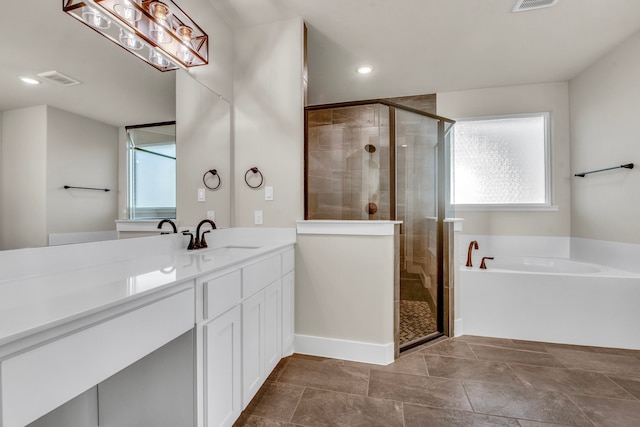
[52,135]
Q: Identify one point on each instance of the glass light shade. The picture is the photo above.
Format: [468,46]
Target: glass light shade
[185,55]
[160,34]
[96,19]
[186,34]
[158,59]
[129,40]
[128,10]
[160,11]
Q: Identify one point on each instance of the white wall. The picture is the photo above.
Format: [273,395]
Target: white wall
[551,97]
[269,121]
[43,149]
[1,173]
[344,292]
[81,152]
[605,100]
[218,74]
[24,171]
[203,135]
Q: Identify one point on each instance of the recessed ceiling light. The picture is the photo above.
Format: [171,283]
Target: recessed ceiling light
[29,80]
[364,69]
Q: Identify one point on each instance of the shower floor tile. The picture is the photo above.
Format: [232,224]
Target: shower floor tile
[417,320]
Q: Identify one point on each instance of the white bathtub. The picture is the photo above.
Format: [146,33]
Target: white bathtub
[551,300]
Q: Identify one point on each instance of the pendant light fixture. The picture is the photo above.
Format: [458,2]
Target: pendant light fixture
[158,32]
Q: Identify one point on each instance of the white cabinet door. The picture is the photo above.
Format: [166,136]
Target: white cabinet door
[252,346]
[223,384]
[272,326]
[288,313]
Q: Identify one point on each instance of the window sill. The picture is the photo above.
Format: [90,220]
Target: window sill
[150,225]
[505,208]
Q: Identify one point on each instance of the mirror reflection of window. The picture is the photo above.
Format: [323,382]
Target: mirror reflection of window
[151,176]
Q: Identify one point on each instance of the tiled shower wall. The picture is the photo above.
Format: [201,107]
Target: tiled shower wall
[348,164]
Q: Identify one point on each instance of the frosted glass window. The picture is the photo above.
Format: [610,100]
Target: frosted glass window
[501,161]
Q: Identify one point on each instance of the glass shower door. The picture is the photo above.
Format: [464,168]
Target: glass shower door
[416,148]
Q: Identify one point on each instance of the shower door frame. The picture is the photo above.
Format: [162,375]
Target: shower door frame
[444,326]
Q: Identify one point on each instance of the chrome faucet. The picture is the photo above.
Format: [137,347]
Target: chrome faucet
[200,242]
[473,245]
[173,225]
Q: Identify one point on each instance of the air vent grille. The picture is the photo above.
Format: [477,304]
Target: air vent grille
[59,78]
[524,5]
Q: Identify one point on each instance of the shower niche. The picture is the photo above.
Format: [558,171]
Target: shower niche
[383,161]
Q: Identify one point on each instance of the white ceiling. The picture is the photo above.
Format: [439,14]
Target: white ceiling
[118,88]
[427,46]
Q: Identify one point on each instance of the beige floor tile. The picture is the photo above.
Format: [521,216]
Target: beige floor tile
[519,402]
[325,408]
[437,392]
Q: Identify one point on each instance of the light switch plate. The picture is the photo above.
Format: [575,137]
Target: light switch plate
[257,216]
[211,215]
[201,195]
[268,193]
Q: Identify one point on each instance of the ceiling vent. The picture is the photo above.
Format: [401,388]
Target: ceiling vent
[58,78]
[524,5]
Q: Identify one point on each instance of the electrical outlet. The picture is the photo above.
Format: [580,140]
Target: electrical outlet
[268,193]
[257,217]
[211,215]
[201,195]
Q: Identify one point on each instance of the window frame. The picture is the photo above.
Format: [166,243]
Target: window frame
[131,209]
[548,187]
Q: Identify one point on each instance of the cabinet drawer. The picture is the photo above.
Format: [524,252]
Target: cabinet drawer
[257,276]
[41,379]
[288,261]
[222,293]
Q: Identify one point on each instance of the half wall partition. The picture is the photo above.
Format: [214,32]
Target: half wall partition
[378,160]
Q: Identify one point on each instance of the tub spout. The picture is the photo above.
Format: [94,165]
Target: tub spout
[482,264]
[473,245]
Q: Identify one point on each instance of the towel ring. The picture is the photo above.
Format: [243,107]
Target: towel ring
[254,170]
[215,173]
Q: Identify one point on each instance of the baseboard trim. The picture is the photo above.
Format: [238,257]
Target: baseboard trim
[457,328]
[379,354]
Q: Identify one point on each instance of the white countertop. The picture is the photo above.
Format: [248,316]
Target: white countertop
[32,303]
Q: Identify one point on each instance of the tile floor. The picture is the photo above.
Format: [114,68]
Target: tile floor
[417,318]
[465,381]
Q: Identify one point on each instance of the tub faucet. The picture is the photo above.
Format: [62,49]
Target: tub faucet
[473,245]
[173,225]
[200,242]
[483,265]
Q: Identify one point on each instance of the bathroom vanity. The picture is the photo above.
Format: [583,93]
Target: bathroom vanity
[144,323]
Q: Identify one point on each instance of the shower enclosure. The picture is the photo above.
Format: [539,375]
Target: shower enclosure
[378,160]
